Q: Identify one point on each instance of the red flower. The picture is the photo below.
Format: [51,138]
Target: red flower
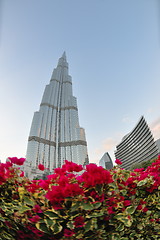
[55,195]
[118,162]
[60,171]
[72,167]
[32,187]
[44,184]
[79,221]
[95,175]
[68,233]
[17,161]
[152,220]
[8,224]
[22,174]
[72,189]
[41,167]
[145,209]
[34,219]
[110,210]
[127,203]
[37,209]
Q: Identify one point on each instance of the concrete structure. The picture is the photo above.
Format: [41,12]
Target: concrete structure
[137,146]
[106,161]
[158,145]
[55,133]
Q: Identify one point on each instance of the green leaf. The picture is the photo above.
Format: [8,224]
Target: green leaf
[23,209]
[95,214]
[6,236]
[143,182]
[96,205]
[51,214]
[88,226]
[70,225]
[131,209]
[112,185]
[123,218]
[42,227]
[149,212]
[158,206]
[120,227]
[49,222]
[123,192]
[2,218]
[119,216]
[56,228]
[75,206]
[140,226]
[115,236]
[28,201]
[87,206]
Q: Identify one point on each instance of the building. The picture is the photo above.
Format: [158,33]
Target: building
[106,161]
[137,146]
[158,145]
[55,133]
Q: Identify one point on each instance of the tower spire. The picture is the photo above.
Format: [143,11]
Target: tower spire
[64,55]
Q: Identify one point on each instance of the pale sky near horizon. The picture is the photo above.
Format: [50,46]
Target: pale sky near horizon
[113,51]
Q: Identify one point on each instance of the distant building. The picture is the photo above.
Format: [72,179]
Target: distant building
[137,146]
[158,145]
[106,161]
[55,133]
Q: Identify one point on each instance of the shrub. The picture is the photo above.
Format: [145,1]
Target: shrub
[98,204]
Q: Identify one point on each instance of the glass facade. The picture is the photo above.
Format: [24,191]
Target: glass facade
[106,161]
[137,146]
[55,133]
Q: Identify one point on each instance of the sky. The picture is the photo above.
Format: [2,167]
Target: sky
[113,51]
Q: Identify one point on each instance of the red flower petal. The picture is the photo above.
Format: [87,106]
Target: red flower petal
[41,167]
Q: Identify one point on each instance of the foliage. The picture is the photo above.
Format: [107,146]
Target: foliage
[143,164]
[98,204]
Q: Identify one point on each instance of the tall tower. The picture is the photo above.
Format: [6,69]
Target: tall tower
[55,133]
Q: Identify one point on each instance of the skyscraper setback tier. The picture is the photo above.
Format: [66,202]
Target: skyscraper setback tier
[55,133]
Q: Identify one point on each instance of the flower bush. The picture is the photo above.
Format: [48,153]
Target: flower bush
[76,203]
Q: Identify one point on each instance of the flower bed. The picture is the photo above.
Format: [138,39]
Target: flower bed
[98,204]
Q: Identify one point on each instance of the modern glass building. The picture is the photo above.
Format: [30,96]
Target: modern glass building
[55,133]
[137,146]
[106,161]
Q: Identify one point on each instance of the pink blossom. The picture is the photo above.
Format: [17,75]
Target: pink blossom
[68,233]
[138,170]
[34,219]
[145,209]
[110,210]
[72,167]
[37,209]
[8,224]
[41,167]
[118,162]
[22,174]
[60,171]
[44,184]
[95,175]
[127,203]
[79,221]
[17,161]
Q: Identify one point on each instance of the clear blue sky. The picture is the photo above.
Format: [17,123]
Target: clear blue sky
[113,50]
